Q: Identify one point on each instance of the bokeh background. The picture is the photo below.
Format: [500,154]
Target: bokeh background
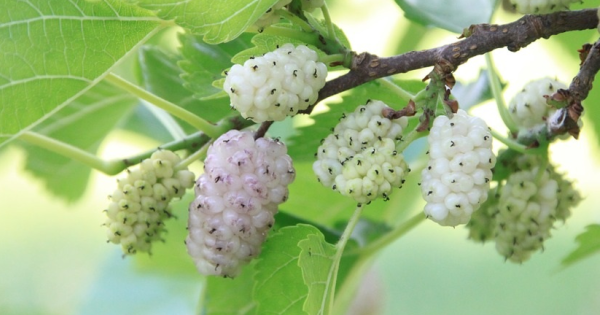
[54,258]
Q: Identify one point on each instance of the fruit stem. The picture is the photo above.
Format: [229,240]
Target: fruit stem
[328,22]
[295,20]
[541,170]
[329,59]
[390,237]
[514,145]
[497,92]
[198,155]
[398,90]
[70,151]
[197,122]
[409,138]
[341,244]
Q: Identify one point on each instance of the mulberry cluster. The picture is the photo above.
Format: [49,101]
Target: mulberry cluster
[359,159]
[140,204]
[276,85]
[526,214]
[528,108]
[524,208]
[456,181]
[541,6]
[243,183]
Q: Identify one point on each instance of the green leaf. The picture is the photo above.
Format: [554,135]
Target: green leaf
[283,219]
[279,287]
[312,201]
[317,263]
[321,27]
[204,63]
[226,296]
[53,51]
[589,243]
[303,146]
[453,16]
[264,43]
[95,113]
[218,21]
[162,76]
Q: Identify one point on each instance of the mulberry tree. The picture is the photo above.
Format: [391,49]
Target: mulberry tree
[287,155]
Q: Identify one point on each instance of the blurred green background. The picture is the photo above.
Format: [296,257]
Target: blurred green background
[54,258]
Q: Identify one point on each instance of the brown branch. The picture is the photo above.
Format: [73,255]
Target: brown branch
[582,83]
[480,39]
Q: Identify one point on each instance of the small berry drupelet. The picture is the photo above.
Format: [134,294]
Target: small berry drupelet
[457,179]
[243,183]
[140,204]
[276,85]
[359,159]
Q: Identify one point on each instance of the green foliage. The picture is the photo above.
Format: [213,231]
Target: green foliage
[589,244]
[450,15]
[224,296]
[279,288]
[218,21]
[205,63]
[54,51]
[317,261]
[163,77]
[97,112]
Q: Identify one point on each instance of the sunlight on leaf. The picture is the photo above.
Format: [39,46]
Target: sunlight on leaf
[589,244]
[218,21]
[53,51]
[279,286]
[97,112]
[450,15]
[230,296]
[316,261]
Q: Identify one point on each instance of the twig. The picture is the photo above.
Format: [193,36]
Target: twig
[480,39]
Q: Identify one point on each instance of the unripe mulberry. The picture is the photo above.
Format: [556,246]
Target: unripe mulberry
[456,181]
[243,183]
[528,108]
[359,159]
[276,85]
[526,213]
[541,6]
[140,204]
[483,221]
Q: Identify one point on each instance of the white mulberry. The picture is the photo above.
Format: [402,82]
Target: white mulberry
[236,198]
[359,159]
[456,181]
[140,204]
[276,85]
[528,108]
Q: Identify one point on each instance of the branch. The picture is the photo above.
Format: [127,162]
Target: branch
[480,39]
